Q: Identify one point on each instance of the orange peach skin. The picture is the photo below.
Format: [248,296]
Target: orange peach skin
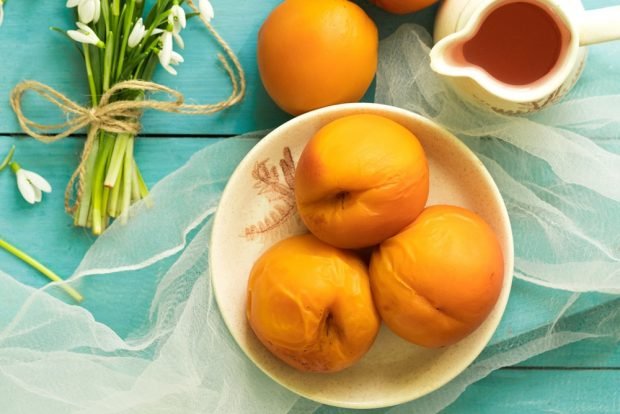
[310,305]
[403,6]
[361,179]
[437,281]
[317,53]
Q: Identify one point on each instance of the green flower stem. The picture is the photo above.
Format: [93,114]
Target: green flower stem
[94,97]
[128,19]
[44,270]
[127,174]
[8,158]
[107,143]
[135,185]
[116,8]
[121,196]
[84,204]
[89,219]
[116,161]
[139,7]
[105,13]
[139,69]
[113,203]
[96,57]
[107,61]
[104,211]
[144,190]
[115,13]
[117,43]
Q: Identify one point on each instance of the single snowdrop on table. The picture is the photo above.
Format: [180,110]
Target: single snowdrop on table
[30,184]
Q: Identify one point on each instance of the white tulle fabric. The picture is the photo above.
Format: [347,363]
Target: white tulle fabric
[558,170]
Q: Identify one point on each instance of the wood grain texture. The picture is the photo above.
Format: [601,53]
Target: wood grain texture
[553,391]
[62,246]
[530,392]
[45,230]
[50,58]
[587,354]
[29,50]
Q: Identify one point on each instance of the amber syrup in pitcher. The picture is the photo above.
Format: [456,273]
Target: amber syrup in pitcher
[518,43]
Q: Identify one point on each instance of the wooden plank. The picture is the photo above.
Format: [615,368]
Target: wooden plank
[44,230]
[542,391]
[49,58]
[598,353]
[47,232]
[527,392]
[62,246]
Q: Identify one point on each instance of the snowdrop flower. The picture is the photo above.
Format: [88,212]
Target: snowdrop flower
[179,40]
[206,10]
[165,54]
[1,12]
[175,59]
[139,31]
[178,21]
[137,34]
[88,10]
[177,18]
[30,184]
[85,35]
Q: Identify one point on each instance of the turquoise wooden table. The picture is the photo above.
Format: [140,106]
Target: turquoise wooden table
[576,378]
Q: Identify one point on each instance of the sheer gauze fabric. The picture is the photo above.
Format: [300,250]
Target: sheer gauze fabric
[558,171]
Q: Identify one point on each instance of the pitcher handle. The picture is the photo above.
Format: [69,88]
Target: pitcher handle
[600,25]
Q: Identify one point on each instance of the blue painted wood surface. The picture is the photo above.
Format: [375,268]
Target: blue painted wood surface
[50,58]
[47,233]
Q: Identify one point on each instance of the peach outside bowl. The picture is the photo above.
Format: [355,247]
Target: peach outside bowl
[257,209]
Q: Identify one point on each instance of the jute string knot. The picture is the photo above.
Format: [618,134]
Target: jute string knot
[92,116]
[115,115]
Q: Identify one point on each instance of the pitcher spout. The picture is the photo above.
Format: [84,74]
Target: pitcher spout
[447,59]
[510,53]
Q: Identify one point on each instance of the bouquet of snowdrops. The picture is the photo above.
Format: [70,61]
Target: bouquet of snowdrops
[122,40]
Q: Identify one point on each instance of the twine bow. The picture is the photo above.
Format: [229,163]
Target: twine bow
[121,116]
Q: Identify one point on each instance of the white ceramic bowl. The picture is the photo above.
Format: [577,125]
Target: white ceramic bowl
[258,208]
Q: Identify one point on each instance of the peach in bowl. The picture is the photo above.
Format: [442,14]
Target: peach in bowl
[300,307]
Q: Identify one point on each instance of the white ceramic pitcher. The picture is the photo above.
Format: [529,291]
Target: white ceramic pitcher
[460,23]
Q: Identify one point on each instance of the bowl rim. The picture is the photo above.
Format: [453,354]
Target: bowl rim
[500,305]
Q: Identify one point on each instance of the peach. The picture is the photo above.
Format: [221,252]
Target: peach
[436,281]
[316,53]
[361,179]
[310,304]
